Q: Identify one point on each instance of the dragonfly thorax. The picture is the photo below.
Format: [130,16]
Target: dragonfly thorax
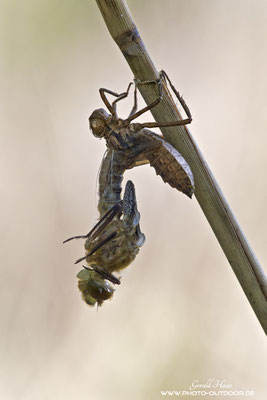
[104,125]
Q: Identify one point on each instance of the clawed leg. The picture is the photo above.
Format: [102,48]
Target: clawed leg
[121,97]
[101,225]
[186,121]
[133,110]
[101,244]
[131,216]
[179,97]
[105,275]
[112,107]
[135,114]
[98,228]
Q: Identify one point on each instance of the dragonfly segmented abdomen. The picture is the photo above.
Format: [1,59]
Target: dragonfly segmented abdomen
[110,180]
[168,163]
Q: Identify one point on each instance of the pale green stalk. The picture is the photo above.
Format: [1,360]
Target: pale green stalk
[218,213]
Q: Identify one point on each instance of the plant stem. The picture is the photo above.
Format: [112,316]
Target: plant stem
[218,213]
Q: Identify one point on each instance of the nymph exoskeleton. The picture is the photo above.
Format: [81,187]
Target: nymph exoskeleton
[140,144]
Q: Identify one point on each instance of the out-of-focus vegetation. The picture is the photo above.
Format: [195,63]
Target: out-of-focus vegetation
[179,314]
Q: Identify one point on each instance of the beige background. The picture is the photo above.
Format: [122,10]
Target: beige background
[180,314]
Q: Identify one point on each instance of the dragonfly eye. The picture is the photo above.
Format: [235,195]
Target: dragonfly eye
[98,127]
[94,289]
[98,122]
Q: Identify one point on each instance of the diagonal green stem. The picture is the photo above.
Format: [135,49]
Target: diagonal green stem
[218,213]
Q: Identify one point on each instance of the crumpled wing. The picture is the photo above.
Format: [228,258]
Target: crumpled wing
[166,160]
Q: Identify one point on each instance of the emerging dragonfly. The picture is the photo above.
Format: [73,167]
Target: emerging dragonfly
[115,240]
[141,145]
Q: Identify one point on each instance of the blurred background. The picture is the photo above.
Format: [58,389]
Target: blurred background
[180,314]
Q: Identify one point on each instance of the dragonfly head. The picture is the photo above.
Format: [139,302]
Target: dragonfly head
[98,122]
[93,287]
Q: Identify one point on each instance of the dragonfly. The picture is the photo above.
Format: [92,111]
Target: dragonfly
[115,240]
[141,145]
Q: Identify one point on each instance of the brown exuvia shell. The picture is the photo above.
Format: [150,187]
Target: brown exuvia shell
[168,162]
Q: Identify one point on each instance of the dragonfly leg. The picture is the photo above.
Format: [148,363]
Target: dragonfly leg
[133,110]
[105,274]
[121,97]
[101,225]
[177,94]
[112,107]
[147,108]
[131,216]
[186,121]
[110,237]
